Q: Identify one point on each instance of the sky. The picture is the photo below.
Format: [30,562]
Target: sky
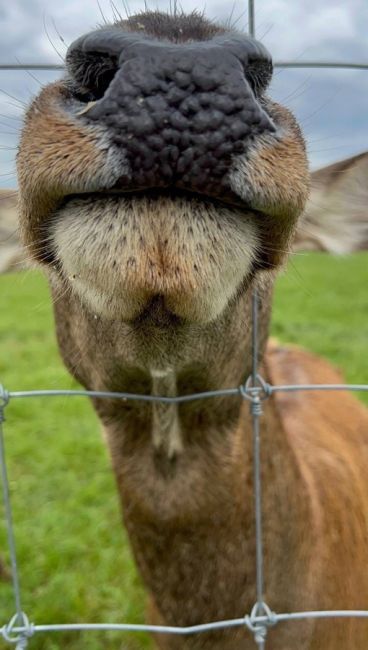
[331,105]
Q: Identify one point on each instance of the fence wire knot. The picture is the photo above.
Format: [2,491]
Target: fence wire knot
[260,628]
[18,631]
[4,400]
[256,393]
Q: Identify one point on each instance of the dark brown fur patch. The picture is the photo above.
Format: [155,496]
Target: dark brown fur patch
[177,28]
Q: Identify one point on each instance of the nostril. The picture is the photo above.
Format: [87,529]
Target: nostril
[254,58]
[91,76]
[92,62]
[258,73]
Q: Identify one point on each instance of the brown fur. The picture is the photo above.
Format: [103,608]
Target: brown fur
[184,473]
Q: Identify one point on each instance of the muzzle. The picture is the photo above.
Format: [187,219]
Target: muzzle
[181,113]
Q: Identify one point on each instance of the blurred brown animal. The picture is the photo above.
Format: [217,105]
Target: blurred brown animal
[336,216]
[11,254]
[159,185]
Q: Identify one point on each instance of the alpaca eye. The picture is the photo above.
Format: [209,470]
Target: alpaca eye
[91,75]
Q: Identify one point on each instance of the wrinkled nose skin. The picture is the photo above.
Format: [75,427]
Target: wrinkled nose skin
[181,112]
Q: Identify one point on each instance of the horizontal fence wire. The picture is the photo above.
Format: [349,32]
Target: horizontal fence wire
[243,390]
[338,65]
[246,621]
[256,390]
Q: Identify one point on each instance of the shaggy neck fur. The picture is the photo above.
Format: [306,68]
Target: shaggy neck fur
[185,473]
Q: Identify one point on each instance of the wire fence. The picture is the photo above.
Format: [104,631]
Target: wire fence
[19,630]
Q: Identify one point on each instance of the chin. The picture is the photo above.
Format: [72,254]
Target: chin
[182,257]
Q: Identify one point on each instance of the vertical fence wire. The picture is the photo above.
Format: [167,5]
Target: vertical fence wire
[19,619]
[256,411]
[251,18]
[9,518]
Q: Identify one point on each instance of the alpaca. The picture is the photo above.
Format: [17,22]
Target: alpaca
[159,186]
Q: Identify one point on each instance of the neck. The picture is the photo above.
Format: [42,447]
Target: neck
[184,472]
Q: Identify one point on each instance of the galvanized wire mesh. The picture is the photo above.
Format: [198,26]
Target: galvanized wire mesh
[255,390]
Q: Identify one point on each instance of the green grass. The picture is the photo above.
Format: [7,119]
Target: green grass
[74,559]
[322,304]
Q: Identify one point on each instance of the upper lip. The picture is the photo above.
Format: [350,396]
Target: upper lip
[227,200]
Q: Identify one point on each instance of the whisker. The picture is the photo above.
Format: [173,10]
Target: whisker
[30,74]
[240,17]
[327,137]
[308,118]
[23,104]
[10,126]
[268,29]
[36,246]
[49,39]
[231,15]
[294,60]
[301,89]
[299,277]
[101,12]
[115,12]
[11,117]
[16,105]
[274,249]
[43,304]
[58,33]
[127,10]
[338,147]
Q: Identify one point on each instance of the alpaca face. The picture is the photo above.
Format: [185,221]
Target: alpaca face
[157,177]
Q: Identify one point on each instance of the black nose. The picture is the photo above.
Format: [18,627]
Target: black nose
[180,112]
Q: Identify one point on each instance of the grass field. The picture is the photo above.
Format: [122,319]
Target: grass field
[74,560]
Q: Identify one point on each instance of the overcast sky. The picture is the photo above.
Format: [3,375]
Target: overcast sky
[332,106]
